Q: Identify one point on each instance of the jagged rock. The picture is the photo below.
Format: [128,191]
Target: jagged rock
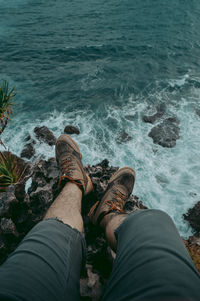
[70,129]
[7,202]
[41,198]
[166,133]
[193,217]
[45,135]
[152,118]
[28,151]
[8,227]
[123,137]
[44,172]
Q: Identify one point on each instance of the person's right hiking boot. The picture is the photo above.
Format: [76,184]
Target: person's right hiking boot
[69,157]
[119,188]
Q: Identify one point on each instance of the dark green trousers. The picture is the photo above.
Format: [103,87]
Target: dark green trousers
[152,263]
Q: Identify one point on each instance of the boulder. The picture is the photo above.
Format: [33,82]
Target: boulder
[70,129]
[45,135]
[28,151]
[152,118]
[166,133]
[123,137]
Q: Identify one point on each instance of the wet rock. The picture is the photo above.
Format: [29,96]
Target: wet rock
[28,138]
[123,137]
[8,227]
[166,133]
[45,135]
[28,151]
[197,112]
[70,129]
[193,217]
[152,118]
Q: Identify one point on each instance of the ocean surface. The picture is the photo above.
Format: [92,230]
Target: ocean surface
[101,65]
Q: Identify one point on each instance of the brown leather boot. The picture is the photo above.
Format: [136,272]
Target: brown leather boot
[119,188]
[69,157]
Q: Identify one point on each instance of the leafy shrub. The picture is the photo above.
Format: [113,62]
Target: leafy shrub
[6,102]
[10,171]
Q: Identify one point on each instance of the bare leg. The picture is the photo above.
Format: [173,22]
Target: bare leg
[110,223]
[67,207]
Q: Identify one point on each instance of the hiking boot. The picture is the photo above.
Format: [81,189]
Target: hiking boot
[119,188]
[69,157]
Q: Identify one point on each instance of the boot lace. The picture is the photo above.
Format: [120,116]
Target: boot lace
[67,167]
[117,202]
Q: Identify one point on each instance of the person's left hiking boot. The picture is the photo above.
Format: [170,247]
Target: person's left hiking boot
[119,188]
[69,157]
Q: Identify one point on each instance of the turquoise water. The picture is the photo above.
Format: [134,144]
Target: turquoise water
[91,63]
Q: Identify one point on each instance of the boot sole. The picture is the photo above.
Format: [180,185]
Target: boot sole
[121,171]
[71,142]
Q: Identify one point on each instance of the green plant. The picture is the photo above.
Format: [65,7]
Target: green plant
[10,172]
[6,102]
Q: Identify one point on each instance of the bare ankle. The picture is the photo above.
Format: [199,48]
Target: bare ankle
[110,223]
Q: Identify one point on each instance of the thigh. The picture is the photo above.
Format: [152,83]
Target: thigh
[152,262]
[45,266]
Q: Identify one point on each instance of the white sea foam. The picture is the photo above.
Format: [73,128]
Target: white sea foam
[167,179]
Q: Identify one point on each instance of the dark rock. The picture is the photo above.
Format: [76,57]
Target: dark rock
[197,112]
[152,118]
[45,172]
[70,129]
[104,164]
[28,151]
[7,202]
[90,286]
[8,227]
[41,199]
[28,138]
[45,135]
[123,137]
[193,217]
[166,133]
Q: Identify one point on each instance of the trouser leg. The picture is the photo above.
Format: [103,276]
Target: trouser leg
[45,266]
[152,262]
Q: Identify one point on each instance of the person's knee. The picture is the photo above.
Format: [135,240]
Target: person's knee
[144,220]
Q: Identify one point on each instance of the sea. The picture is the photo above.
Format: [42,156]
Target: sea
[101,65]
